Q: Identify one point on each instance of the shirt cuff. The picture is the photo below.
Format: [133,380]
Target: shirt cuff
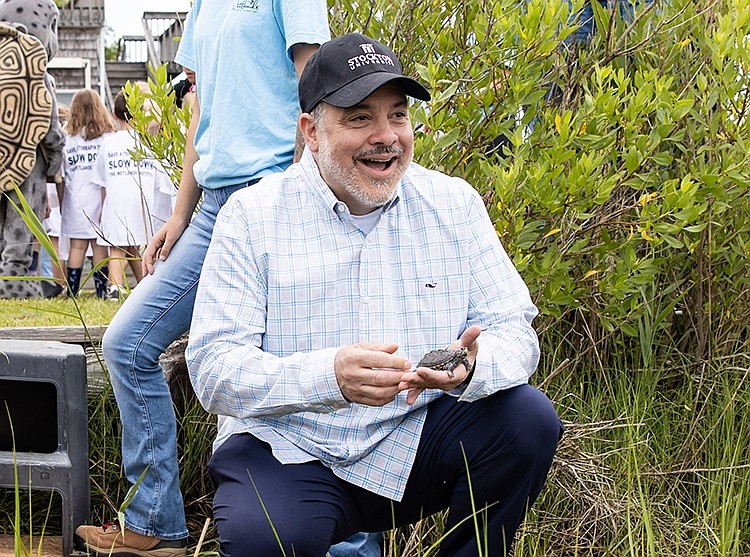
[461,387]
[324,389]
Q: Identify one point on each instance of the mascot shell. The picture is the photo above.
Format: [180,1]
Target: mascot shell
[25,104]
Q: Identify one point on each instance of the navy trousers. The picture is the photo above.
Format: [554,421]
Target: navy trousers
[506,440]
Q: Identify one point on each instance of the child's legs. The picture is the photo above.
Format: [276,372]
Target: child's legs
[77,252]
[120,257]
[100,253]
[78,247]
[117,264]
[134,260]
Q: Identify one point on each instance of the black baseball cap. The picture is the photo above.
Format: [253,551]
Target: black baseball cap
[346,70]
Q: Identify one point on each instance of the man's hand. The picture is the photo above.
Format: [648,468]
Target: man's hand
[369,373]
[425,378]
[162,242]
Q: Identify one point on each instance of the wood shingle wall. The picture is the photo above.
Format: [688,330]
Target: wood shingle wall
[78,42]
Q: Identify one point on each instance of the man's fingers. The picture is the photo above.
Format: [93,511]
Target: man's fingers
[412,395]
[387,348]
[425,378]
[470,336]
[369,373]
[377,396]
[373,357]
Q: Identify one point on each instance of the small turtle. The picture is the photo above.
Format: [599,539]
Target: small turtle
[444,359]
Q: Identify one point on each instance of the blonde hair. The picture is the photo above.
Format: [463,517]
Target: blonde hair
[63,113]
[88,116]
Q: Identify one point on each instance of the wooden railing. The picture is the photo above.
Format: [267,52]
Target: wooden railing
[166,27]
[82,13]
[158,44]
[132,48]
[76,334]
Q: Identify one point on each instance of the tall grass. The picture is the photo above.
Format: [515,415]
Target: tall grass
[654,462]
[19,545]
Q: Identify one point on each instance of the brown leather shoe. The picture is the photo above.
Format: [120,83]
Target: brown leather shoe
[109,540]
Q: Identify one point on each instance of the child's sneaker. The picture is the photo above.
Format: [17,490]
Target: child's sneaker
[115,293]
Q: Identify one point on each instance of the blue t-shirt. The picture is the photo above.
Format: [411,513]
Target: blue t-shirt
[241,51]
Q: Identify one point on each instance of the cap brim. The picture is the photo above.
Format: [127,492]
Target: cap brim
[355,92]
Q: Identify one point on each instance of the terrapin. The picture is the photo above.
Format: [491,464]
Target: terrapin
[25,104]
[444,359]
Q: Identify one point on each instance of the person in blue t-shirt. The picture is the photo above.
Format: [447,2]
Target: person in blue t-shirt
[247,57]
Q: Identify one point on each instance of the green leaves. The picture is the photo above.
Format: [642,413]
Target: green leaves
[160,125]
[625,158]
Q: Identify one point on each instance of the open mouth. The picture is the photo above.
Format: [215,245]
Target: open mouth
[379,165]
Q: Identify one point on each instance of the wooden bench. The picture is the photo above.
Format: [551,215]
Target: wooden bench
[75,334]
[172,361]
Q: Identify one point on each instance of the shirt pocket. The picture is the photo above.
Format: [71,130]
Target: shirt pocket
[431,304]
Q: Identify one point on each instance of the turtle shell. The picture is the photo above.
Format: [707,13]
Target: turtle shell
[25,104]
[444,359]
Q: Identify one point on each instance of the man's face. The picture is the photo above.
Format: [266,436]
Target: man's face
[363,151]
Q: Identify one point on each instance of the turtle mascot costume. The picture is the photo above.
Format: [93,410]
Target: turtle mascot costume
[31,139]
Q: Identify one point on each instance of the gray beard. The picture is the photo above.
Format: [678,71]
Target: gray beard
[378,194]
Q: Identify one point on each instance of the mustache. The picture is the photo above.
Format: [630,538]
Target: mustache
[383,150]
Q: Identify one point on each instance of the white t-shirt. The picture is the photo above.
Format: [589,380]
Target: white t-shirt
[132,190]
[53,221]
[82,203]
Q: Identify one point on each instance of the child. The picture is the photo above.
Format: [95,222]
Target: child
[81,207]
[131,192]
[52,226]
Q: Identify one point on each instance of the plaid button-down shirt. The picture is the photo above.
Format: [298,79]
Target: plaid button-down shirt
[289,279]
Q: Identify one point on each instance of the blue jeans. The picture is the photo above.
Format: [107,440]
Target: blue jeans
[363,544]
[157,312]
[585,18]
[45,263]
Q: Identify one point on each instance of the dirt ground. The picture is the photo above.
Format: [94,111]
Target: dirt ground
[52,546]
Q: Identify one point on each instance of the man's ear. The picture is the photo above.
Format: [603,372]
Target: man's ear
[309,131]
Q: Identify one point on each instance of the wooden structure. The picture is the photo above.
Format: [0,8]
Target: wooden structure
[80,61]
[80,55]
[157,45]
[71,334]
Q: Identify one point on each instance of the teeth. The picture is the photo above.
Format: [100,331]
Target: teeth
[374,161]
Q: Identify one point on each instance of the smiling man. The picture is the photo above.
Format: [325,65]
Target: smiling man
[319,291]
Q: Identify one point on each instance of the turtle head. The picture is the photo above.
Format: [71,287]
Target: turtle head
[33,17]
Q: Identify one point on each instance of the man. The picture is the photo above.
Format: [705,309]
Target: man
[318,292]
